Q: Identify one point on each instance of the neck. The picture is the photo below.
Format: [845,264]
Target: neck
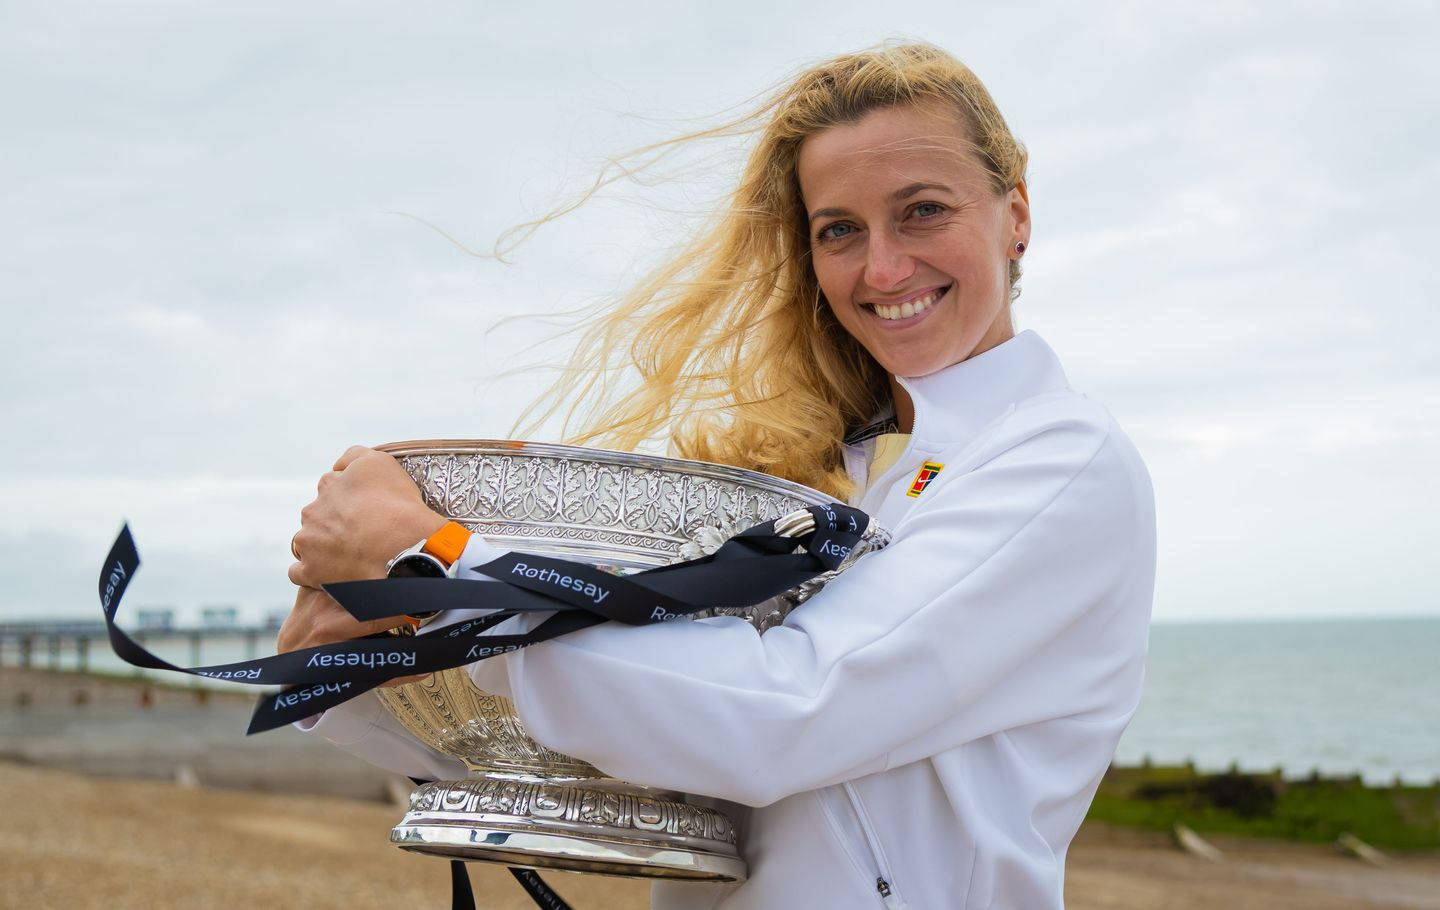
[904,407]
[1000,331]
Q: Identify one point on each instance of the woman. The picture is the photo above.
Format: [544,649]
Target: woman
[927,731]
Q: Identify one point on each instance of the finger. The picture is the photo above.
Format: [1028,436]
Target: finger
[351,455]
[298,575]
[373,626]
[302,541]
[326,479]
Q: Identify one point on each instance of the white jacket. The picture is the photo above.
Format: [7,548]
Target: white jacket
[938,717]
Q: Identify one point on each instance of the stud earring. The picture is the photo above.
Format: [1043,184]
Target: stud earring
[1019,248]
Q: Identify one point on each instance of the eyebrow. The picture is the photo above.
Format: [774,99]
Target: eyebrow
[902,193]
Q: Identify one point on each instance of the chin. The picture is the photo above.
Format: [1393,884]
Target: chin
[913,367]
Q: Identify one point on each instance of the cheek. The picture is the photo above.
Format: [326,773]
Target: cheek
[976,250]
[850,321]
[847,317]
[980,266]
[833,285]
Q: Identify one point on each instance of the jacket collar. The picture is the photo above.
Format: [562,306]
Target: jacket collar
[954,404]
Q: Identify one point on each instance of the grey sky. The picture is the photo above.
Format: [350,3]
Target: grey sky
[206,299]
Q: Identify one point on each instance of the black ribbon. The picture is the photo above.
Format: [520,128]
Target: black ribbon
[750,567]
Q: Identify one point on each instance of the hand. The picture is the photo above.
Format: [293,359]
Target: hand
[316,619]
[365,512]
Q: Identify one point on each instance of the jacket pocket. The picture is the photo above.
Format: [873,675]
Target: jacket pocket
[850,823]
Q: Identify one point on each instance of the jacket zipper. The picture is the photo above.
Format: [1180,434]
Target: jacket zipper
[883,882]
[884,886]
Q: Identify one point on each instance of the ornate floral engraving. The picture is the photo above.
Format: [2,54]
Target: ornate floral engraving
[646,507]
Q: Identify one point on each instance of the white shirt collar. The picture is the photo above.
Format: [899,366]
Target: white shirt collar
[955,403]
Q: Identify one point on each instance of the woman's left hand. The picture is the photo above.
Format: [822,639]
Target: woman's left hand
[367,510]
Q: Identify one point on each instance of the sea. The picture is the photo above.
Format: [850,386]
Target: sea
[1336,696]
[1340,697]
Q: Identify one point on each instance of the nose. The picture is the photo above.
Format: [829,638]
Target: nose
[887,265]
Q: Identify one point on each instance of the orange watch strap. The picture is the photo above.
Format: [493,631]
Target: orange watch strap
[448,543]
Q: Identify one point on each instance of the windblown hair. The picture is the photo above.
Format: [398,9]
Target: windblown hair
[739,359]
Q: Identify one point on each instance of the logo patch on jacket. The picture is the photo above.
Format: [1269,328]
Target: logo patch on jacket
[927,473]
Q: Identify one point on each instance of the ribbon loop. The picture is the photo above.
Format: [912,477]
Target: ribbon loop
[749,568]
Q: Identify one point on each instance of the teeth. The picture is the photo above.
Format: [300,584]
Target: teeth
[908,308]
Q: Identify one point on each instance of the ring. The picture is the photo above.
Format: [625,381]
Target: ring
[294,552]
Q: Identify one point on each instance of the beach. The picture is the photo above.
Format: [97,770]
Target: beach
[69,840]
[225,821]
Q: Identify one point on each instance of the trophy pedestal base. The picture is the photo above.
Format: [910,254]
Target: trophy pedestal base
[574,854]
[579,829]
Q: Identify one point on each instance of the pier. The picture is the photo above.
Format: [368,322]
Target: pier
[74,644]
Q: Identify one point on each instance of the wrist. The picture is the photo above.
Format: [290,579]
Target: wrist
[423,524]
[434,555]
[417,524]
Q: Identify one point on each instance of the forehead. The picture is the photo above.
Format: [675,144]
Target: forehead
[887,147]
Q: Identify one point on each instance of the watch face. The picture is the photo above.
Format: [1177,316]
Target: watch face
[417,565]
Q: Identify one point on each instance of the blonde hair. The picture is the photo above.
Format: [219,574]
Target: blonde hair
[739,360]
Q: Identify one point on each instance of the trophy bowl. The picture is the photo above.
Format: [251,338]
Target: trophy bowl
[522,804]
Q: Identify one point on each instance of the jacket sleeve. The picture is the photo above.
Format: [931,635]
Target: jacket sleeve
[1016,592]
[362,727]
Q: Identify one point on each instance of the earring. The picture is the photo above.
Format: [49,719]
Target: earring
[1019,248]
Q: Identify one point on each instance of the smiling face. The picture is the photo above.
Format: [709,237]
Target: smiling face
[909,240]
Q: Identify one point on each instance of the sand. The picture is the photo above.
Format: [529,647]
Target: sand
[77,842]
[68,840]
[78,830]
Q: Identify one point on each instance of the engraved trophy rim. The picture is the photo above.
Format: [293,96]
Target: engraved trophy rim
[689,466]
[619,546]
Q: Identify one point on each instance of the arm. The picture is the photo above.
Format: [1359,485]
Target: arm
[365,511]
[362,726]
[1017,592]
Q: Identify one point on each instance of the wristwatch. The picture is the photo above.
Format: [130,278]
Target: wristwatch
[437,556]
[434,557]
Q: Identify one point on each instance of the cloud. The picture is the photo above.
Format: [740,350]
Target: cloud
[207,298]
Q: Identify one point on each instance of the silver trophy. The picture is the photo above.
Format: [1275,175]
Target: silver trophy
[523,804]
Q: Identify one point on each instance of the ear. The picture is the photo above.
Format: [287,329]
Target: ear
[1018,211]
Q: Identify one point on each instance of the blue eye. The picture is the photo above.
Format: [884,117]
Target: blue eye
[830,233]
[935,207]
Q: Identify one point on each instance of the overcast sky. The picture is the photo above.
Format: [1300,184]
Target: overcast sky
[208,292]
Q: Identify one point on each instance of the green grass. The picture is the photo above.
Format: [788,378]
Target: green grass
[1314,809]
